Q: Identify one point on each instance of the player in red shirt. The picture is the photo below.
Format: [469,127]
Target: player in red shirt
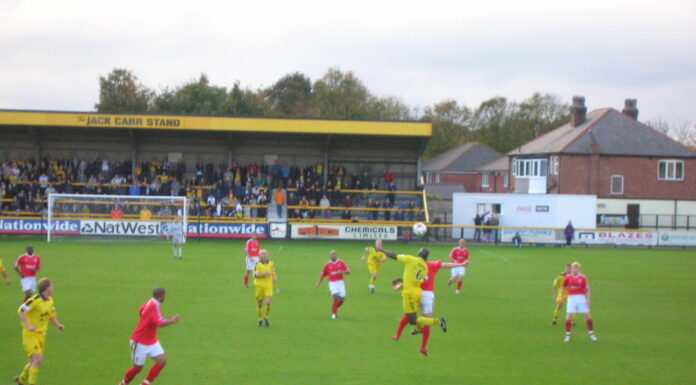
[459,254]
[251,250]
[144,341]
[427,300]
[335,269]
[26,266]
[578,300]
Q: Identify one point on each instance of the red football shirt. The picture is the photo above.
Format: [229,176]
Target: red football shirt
[28,265]
[458,255]
[576,284]
[433,268]
[335,270]
[150,319]
[252,248]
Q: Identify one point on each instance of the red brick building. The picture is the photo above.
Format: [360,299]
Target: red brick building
[459,166]
[494,177]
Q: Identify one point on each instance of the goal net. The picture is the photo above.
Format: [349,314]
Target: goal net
[116,217]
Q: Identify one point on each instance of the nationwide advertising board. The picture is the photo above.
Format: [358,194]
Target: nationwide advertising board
[635,238]
[38,226]
[677,238]
[347,231]
[528,235]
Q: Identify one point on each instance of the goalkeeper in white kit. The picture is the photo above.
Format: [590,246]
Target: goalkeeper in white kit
[176,231]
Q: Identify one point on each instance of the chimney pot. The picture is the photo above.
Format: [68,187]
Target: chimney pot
[631,108]
[578,111]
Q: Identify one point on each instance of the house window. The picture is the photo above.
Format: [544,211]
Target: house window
[437,178]
[530,167]
[617,184]
[428,178]
[670,170]
[555,160]
[506,179]
[484,179]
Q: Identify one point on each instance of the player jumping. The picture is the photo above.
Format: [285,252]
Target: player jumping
[578,300]
[251,250]
[375,259]
[459,254]
[35,314]
[415,273]
[26,266]
[335,269]
[144,341]
[264,278]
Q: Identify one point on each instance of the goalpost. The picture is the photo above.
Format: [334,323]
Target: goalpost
[115,217]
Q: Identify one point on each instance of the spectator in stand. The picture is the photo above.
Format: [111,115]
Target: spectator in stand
[569,232]
[279,199]
[116,212]
[145,214]
[261,201]
[175,187]
[411,213]
[388,178]
[494,221]
[134,190]
[478,220]
[211,204]
[325,204]
[387,209]
[346,214]
[304,204]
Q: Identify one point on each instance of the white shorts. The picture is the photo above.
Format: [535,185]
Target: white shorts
[577,303]
[457,271]
[337,288]
[251,262]
[427,302]
[178,239]
[140,352]
[29,283]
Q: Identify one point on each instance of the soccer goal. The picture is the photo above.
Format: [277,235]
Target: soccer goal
[115,217]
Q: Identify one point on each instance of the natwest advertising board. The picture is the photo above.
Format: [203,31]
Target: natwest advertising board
[636,238]
[347,231]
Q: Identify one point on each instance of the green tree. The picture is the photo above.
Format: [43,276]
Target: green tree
[195,97]
[291,95]
[388,108]
[451,126]
[245,102]
[339,95]
[121,91]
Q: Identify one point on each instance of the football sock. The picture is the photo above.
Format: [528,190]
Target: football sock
[246,280]
[181,252]
[589,325]
[425,321]
[175,252]
[402,324]
[334,307]
[259,310]
[33,373]
[25,374]
[426,336]
[154,372]
[568,325]
[373,280]
[459,285]
[130,374]
[268,310]
[555,313]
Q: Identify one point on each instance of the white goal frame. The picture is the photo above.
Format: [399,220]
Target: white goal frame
[140,199]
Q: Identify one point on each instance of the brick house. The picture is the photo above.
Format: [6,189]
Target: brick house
[494,177]
[612,155]
[459,166]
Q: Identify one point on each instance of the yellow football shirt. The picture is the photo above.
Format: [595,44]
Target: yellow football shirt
[558,283]
[415,271]
[38,311]
[374,256]
[261,268]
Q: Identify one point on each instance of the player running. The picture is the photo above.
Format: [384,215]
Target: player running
[375,259]
[459,254]
[176,231]
[251,250]
[264,278]
[578,300]
[335,269]
[144,341]
[415,273]
[427,300]
[26,266]
[4,274]
[559,294]
[35,314]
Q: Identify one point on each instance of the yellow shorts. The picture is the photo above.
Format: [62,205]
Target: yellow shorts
[374,267]
[33,342]
[562,299]
[411,300]
[263,292]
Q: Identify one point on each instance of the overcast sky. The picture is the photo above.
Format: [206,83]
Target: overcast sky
[52,52]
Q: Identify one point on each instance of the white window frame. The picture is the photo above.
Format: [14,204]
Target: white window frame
[531,168]
[428,178]
[506,179]
[555,161]
[484,179]
[611,185]
[670,166]
[437,178]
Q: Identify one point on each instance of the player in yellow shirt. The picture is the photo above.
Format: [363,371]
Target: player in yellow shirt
[415,273]
[264,279]
[559,294]
[35,314]
[4,274]
[375,259]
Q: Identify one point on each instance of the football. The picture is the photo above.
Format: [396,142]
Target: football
[419,229]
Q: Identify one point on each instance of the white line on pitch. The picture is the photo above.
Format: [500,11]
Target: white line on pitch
[496,255]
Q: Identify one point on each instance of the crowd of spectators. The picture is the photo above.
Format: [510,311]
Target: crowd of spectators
[219,190]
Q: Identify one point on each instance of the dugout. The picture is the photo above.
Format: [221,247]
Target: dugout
[357,145]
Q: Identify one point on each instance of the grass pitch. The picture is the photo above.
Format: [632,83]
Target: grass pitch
[500,333]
